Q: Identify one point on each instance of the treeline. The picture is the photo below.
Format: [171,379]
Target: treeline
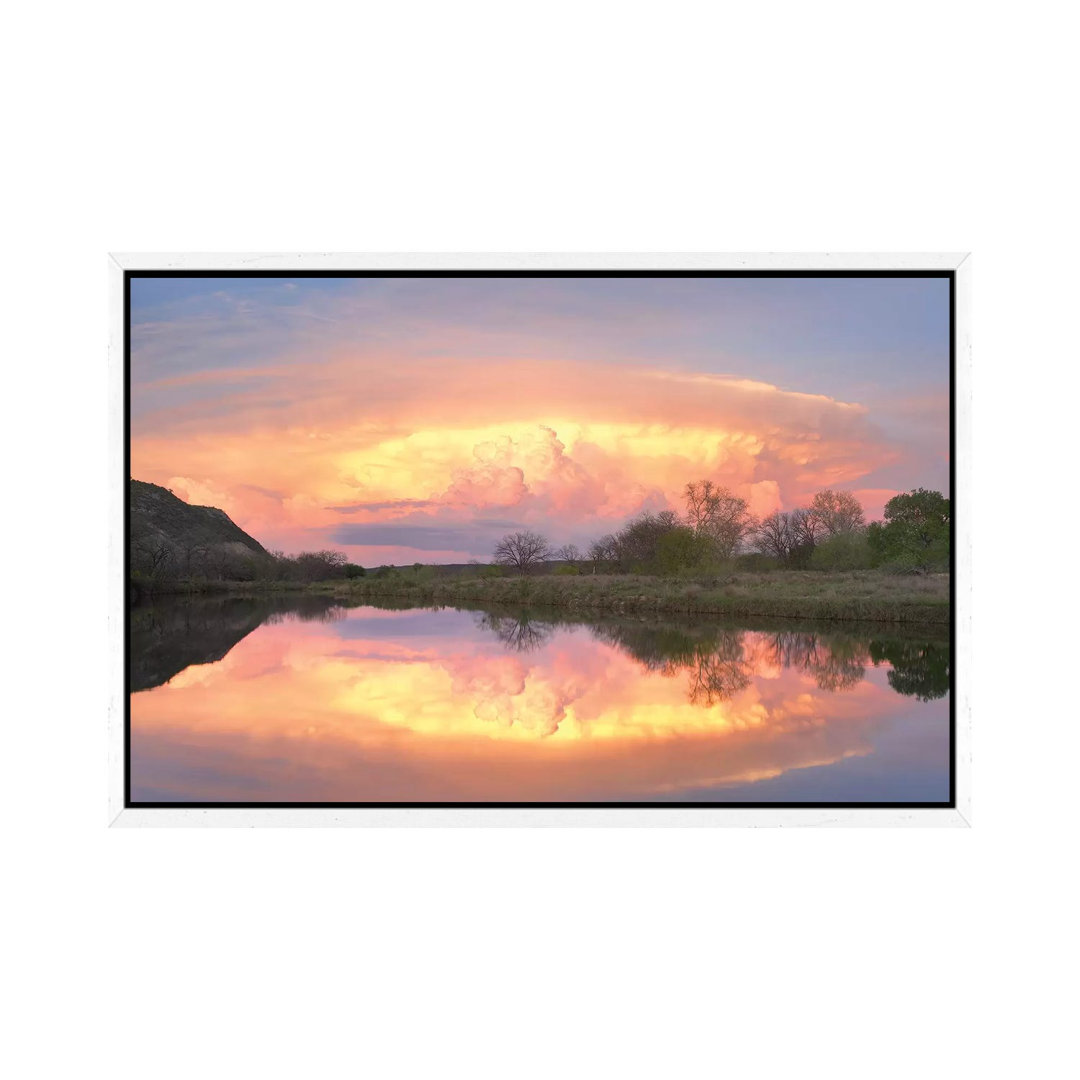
[717,530]
[311,566]
[158,563]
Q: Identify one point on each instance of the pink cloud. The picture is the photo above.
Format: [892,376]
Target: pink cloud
[567,448]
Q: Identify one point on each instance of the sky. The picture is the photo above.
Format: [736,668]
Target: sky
[411,420]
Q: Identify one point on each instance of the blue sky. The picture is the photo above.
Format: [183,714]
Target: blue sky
[845,337]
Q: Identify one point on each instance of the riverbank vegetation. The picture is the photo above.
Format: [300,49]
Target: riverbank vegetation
[822,561]
[867,594]
[872,595]
[717,530]
[162,567]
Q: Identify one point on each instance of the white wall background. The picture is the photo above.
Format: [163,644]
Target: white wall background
[559,126]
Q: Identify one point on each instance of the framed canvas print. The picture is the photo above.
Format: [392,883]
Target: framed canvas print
[669,540]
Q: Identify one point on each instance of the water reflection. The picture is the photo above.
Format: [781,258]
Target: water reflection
[386,704]
[918,668]
[168,636]
[520,633]
[718,663]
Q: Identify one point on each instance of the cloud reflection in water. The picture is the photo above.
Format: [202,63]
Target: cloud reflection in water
[374,705]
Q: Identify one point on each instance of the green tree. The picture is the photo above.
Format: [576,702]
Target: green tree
[635,545]
[682,551]
[916,532]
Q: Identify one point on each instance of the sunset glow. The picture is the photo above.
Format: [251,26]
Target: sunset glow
[418,419]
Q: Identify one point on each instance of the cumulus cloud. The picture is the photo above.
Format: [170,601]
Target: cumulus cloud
[504,695]
[491,481]
[433,434]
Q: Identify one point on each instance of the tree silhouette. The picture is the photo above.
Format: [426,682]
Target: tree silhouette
[522,550]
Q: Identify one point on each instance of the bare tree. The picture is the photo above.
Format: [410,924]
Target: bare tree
[155,554]
[788,536]
[718,513]
[570,554]
[837,512]
[320,565]
[603,552]
[195,551]
[806,527]
[522,550]
[774,536]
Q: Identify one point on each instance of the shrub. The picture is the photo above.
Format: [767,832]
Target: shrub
[683,553]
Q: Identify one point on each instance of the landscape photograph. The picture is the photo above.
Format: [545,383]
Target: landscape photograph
[551,539]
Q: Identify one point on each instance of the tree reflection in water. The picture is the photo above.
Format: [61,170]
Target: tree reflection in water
[920,670]
[720,674]
[837,663]
[716,662]
[520,633]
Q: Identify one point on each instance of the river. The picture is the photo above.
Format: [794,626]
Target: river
[296,700]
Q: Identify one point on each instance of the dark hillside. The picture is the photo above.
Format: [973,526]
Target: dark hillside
[168,535]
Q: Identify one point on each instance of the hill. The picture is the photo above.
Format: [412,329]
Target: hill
[168,533]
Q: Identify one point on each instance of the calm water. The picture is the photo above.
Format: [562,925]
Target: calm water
[237,700]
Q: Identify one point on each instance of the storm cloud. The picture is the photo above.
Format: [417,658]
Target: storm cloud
[436,415]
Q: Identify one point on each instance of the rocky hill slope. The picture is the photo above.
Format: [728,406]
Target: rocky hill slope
[166,532]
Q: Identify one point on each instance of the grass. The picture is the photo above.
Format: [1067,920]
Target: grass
[856,595]
[214,587]
[870,595]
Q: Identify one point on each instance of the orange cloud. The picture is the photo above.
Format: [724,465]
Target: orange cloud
[564,446]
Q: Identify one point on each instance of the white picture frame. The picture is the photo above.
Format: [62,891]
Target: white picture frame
[958,815]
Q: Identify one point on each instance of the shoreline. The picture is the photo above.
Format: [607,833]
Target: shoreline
[857,596]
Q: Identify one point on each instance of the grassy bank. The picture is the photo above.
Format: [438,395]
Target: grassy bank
[856,595]
[868,595]
[146,590]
